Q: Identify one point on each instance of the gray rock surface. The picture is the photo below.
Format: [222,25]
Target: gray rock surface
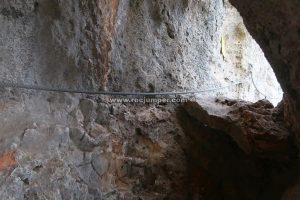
[66,146]
[58,152]
[130,45]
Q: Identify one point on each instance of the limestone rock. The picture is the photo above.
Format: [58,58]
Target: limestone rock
[77,146]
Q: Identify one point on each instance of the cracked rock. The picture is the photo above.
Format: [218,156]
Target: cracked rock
[100,163]
[82,140]
[256,127]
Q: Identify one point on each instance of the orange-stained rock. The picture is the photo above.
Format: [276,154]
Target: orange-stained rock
[7,160]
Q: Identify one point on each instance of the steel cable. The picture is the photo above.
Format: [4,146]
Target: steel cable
[7,84]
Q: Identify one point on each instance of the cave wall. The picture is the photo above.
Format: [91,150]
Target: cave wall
[160,45]
[169,44]
[57,43]
[67,146]
[99,44]
[275,26]
[76,146]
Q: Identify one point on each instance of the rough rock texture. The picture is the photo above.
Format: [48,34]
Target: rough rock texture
[258,128]
[161,45]
[69,147]
[169,44]
[73,147]
[177,45]
[57,43]
[83,43]
[64,146]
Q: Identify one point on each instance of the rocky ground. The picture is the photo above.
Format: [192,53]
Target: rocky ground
[91,149]
[63,146]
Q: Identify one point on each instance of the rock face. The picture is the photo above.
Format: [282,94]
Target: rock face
[71,147]
[169,44]
[53,43]
[66,146]
[257,128]
[98,44]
